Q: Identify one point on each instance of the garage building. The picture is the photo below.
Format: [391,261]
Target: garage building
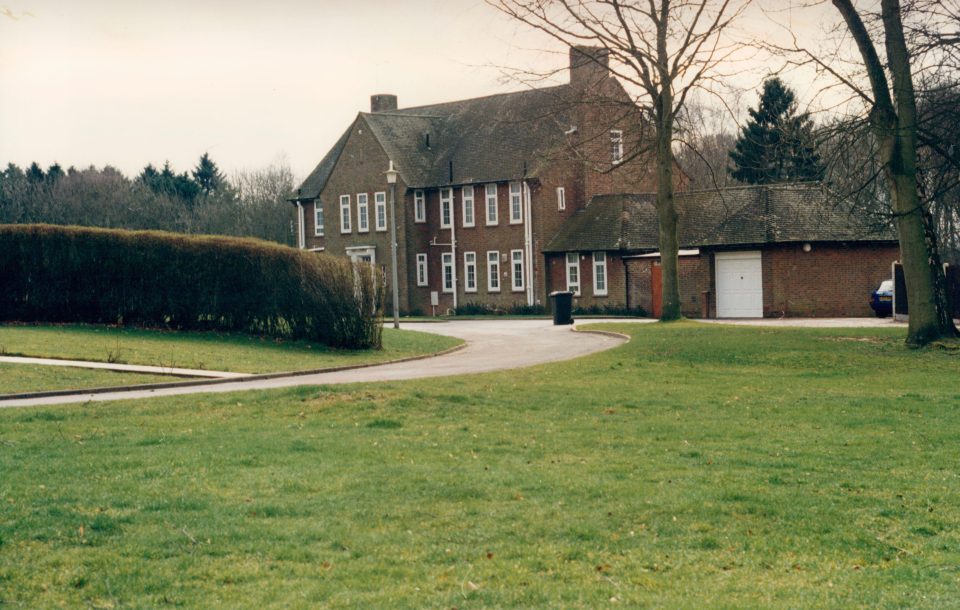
[747,252]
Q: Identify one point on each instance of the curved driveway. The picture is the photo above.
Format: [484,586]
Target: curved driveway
[491,345]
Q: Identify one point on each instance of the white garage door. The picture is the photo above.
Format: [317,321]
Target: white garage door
[739,285]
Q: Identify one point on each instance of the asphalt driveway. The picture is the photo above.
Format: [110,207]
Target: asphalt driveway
[490,345]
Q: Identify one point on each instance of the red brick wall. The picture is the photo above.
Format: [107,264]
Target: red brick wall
[694,274]
[832,280]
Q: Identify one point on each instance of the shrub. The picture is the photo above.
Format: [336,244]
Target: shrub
[609,310]
[149,278]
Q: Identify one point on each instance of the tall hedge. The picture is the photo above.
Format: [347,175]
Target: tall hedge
[54,273]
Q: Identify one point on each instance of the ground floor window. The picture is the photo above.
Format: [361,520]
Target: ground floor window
[600,273]
[516,258]
[469,271]
[573,272]
[493,271]
[447,261]
[422,270]
[318,219]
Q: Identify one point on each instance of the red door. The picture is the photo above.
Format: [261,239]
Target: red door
[656,290]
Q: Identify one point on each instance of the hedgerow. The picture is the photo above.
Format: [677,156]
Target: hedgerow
[149,278]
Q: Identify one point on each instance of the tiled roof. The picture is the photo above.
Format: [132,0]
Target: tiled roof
[737,216]
[493,138]
[315,182]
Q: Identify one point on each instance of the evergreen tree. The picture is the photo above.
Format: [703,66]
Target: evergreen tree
[35,173]
[207,175]
[54,173]
[777,144]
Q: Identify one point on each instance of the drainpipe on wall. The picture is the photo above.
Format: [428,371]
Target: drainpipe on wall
[528,241]
[453,241]
[301,230]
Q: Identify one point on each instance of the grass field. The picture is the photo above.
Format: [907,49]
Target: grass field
[696,466]
[203,350]
[16,378]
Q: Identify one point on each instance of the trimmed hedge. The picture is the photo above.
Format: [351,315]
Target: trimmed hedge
[54,273]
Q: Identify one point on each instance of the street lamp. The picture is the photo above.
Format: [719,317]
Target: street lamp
[392,181]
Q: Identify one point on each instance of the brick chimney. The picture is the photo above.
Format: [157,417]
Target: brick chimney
[383,102]
[588,65]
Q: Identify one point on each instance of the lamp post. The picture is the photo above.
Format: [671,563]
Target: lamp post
[392,181]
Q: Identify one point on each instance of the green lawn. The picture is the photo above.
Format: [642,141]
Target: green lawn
[17,378]
[204,350]
[696,466]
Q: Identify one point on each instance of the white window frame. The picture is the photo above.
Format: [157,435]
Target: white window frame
[345,222]
[446,264]
[601,264]
[516,271]
[318,218]
[446,205]
[493,271]
[616,145]
[419,207]
[380,209]
[466,196]
[561,199]
[573,264]
[469,268]
[422,267]
[491,205]
[516,203]
[363,213]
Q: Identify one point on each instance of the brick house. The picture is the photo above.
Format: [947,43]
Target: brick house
[760,251]
[484,184]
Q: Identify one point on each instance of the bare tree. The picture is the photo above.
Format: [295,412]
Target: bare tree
[893,117]
[665,49]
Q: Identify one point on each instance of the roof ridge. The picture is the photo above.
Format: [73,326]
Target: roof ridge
[402,111]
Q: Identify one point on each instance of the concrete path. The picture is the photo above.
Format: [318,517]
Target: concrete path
[127,368]
[812,322]
[491,345]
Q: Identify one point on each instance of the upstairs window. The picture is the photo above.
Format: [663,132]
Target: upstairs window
[345,214]
[616,145]
[561,199]
[419,207]
[446,208]
[491,191]
[573,273]
[467,196]
[516,203]
[318,218]
[363,213]
[380,204]
[600,274]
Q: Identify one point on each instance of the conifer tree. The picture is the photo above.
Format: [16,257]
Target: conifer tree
[207,175]
[777,144]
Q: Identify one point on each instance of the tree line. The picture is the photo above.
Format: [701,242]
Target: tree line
[250,203]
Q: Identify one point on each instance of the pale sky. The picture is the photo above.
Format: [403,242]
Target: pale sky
[131,82]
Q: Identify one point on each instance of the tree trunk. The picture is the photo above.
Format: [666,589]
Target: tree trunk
[667,215]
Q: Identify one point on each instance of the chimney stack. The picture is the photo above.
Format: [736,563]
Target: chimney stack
[588,65]
[383,102]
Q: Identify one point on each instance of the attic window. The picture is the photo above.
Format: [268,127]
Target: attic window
[426,140]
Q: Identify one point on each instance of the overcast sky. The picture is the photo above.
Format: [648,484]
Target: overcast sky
[131,82]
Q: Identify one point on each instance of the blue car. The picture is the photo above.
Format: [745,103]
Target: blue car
[882,299]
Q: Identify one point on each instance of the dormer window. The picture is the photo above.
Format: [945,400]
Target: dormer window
[616,145]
